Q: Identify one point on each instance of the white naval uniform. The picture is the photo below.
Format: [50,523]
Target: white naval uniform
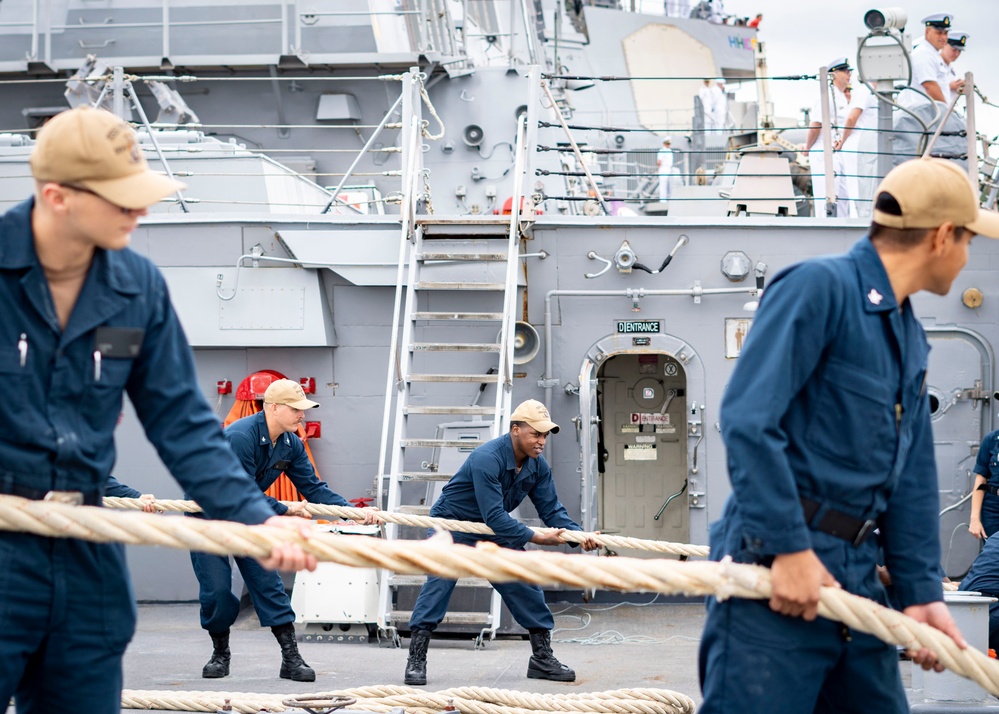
[664,164]
[838,107]
[949,76]
[859,152]
[927,66]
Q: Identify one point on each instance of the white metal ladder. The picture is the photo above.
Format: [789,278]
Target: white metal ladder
[452,337]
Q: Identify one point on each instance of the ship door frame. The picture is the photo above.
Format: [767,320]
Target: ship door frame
[599,352]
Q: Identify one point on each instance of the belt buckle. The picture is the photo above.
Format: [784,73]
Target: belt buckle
[865,531]
[69,498]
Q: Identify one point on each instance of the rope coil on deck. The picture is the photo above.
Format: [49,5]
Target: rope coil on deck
[468,700]
[438,556]
[406,519]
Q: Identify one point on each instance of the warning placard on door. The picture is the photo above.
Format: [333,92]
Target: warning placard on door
[647,418]
[639,452]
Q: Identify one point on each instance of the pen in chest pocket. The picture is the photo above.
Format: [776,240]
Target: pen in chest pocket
[22,348]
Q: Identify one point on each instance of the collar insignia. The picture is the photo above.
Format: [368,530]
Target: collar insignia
[875,297]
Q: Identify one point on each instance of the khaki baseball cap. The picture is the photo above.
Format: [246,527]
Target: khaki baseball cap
[285,391]
[536,415]
[929,193]
[95,149]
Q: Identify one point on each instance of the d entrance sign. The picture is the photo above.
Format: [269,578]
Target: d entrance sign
[638,327]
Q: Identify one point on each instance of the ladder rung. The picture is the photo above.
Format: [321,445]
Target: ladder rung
[474,378]
[458,285]
[416,580]
[456,347]
[461,256]
[414,510]
[452,618]
[424,476]
[442,443]
[489,316]
[466,411]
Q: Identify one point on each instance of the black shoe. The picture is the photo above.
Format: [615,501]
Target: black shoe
[416,665]
[293,667]
[543,664]
[218,665]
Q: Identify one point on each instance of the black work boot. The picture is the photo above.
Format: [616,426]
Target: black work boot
[543,664]
[292,665]
[218,665]
[416,665]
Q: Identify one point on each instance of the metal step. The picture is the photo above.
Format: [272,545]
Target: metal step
[463,411]
[486,316]
[418,580]
[458,285]
[426,475]
[462,256]
[452,618]
[414,510]
[473,378]
[455,347]
[441,443]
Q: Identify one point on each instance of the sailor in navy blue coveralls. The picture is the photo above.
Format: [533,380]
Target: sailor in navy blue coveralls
[827,429]
[985,498]
[67,356]
[264,460]
[485,489]
[249,440]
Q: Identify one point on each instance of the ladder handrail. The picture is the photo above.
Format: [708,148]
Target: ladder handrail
[391,375]
[504,386]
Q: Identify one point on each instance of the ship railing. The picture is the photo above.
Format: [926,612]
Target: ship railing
[428,26]
[599,169]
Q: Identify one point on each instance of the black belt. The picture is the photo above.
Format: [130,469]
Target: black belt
[838,524]
[989,488]
[80,498]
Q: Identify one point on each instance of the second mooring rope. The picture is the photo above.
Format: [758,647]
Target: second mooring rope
[407,519]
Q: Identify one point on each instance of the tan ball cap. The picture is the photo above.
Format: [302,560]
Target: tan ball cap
[931,192]
[285,391]
[536,415]
[95,149]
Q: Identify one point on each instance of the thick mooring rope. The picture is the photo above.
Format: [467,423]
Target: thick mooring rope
[406,519]
[468,700]
[438,556]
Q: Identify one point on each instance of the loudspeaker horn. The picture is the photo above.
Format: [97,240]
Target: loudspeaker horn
[472,135]
[526,343]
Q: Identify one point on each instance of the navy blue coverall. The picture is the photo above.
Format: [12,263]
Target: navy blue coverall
[987,465]
[66,606]
[984,578]
[484,490]
[251,443]
[827,402]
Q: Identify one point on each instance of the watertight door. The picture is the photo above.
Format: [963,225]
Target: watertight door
[958,384]
[644,447]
